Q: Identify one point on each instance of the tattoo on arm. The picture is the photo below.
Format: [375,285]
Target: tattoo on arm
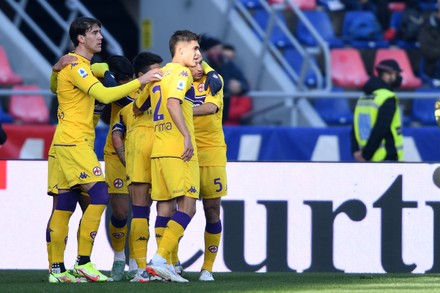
[120,151]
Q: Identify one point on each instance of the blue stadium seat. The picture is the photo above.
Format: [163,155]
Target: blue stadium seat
[428,5]
[368,17]
[322,23]
[295,60]
[396,17]
[278,38]
[251,4]
[334,110]
[423,109]
[5,117]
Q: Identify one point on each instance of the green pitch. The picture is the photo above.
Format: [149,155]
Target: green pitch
[36,281]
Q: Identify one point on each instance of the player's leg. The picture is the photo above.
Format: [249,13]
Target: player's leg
[118,233]
[188,181]
[212,235]
[59,229]
[213,185]
[115,175]
[139,231]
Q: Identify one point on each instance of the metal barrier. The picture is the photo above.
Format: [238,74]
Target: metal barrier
[75,7]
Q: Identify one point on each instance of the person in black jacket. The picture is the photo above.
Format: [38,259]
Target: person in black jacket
[235,83]
[377,134]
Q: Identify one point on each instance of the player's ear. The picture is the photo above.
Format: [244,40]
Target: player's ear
[81,39]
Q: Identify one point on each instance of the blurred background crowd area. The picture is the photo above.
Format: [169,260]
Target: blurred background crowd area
[301,62]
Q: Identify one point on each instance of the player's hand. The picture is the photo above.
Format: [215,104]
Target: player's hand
[99,69]
[358,156]
[189,149]
[63,62]
[213,82]
[136,110]
[150,76]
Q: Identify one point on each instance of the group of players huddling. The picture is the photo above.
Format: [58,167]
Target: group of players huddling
[165,144]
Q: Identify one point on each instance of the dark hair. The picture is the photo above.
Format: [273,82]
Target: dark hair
[143,61]
[121,67]
[181,36]
[81,26]
[228,47]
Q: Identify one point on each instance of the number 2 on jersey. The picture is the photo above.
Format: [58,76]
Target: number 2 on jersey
[156,115]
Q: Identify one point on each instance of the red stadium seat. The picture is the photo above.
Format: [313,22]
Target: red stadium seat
[302,4]
[347,68]
[410,81]
[396,6]
[28,109]
[238,107]
[7,75]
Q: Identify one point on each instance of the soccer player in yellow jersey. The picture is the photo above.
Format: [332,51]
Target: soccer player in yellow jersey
[174,165]
[79,169]
[211,150]
[120,72]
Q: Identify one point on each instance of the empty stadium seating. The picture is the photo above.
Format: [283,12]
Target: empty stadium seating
[348,69]
[7,75]
[368,17]
[410,81]
[278,37]
[323,25]
[334,111]
[28,109]
[295,60]
[422,109]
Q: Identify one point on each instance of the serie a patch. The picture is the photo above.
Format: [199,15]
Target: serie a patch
[82,72]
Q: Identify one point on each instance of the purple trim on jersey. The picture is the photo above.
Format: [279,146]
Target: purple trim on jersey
[118,223]
[199,100]
[181,218]
[142,212]
[67,201]
[214,228]
[99,193]
[122,102]
[190,95]
[161,221]
[47,235]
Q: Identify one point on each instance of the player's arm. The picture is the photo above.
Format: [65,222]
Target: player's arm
[61,63]
[118,133]
[213,81]
[175,110]
[205,109]
[108,95]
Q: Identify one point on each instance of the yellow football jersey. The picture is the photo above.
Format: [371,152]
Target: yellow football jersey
[75,111]
[177,83]
[210,138]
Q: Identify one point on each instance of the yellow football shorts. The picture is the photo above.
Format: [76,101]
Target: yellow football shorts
[213,182]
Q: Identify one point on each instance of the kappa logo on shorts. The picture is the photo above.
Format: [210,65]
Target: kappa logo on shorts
[142,238]
[83,175]
[97,171]
[93,234]
[213,248]
[192,189]
[118,183]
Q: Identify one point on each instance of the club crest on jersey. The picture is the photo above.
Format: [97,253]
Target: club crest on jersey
[97,171]
[118,183]
[213,248]
[93,234]
[180,85]
[82,72]
[184,73]
[201,87]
